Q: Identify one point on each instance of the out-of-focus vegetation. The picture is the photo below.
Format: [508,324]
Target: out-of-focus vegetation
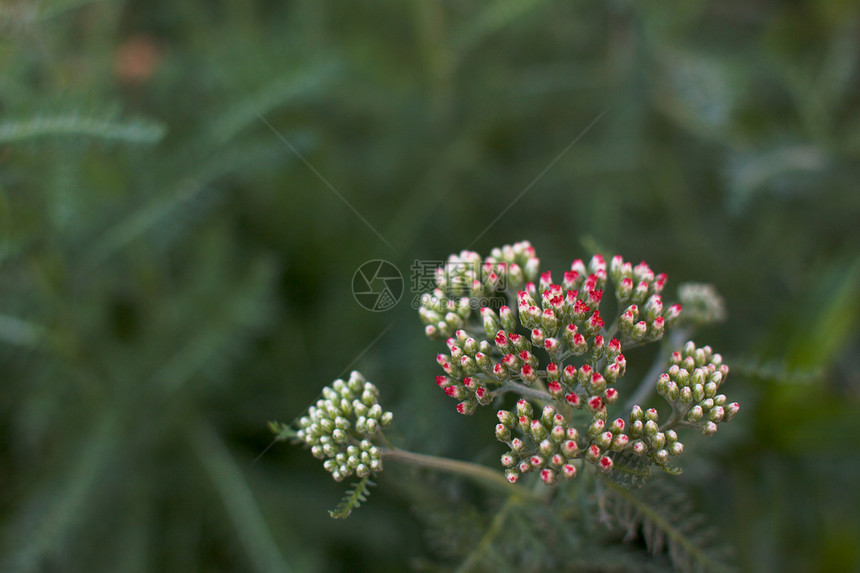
[186,189]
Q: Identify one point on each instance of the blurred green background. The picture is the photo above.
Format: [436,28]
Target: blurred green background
[186,189]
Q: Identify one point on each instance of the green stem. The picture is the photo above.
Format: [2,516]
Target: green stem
[480,474]
[523,390]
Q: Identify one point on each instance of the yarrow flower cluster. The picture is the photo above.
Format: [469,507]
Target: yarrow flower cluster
[340,428]
[555,349]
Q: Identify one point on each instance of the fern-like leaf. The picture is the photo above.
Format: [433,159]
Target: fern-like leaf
[630,470]
[666,521]
[282,431]
[354,497]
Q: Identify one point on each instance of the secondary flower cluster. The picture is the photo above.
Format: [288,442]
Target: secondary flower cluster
[341,426]
[554,347]
[691,386]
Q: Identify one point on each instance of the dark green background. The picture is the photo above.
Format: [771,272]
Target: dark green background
[173,275]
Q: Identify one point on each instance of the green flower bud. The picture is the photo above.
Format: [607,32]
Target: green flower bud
[661,457]
[685,395]
[676,449]
[524,408]
[651,429]
[695,414]
[716,414]
[537,430]
[604,440]
[547,416]
[657,441]
[546,448]
[620,442]
[709,429]
[508,319]
[339,436]
[698,392]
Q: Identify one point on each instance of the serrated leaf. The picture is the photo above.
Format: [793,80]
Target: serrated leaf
[354,498]
[630,470]
[667,523]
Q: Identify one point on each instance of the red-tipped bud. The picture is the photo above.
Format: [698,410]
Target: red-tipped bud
[597,383]
[568,471]
[547,476]
[569,375]
[555,390]
[620,442]
[610,396]
[605,464]
[507,318]
[553,347]
[573,399]
[528,374]
[466,407]
[500,372]
[604,440]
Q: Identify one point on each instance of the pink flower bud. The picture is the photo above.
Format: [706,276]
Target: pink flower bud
[569,375]
[610,396]
[507,318]
[569,448]
[547,476]
[568,471]
[512,475]
[606,464]
[466,407]
[604,440]
[528,374]
[620,442]
[573,399]
[500,372]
